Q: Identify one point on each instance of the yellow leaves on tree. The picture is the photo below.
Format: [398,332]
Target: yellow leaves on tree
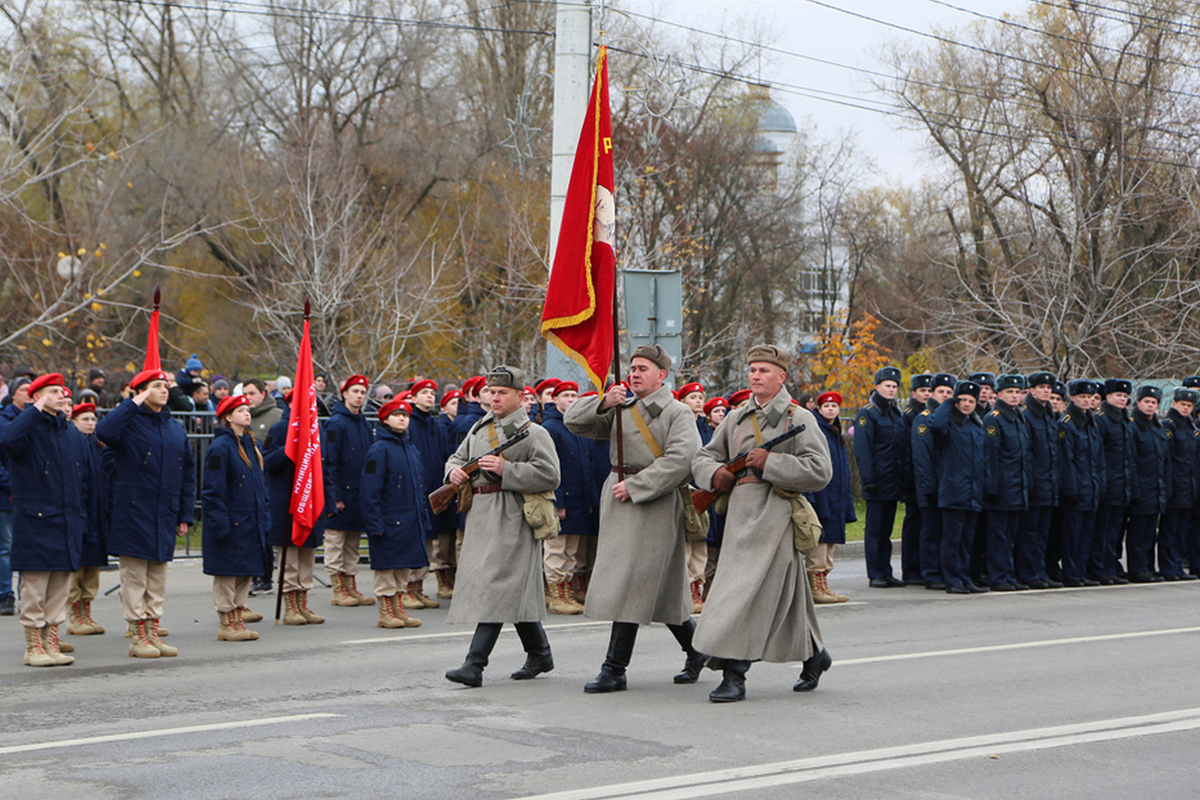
[846,361]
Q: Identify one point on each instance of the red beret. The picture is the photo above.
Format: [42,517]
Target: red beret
[67,393]
[451,395]
[82,408]
[687,389]
[829,397]
[714,403]
[145,376]
[230,403]
[590,393]
[287,396]
[528,390]
[565,386]
[403,395]
[739,396]
[395,404]
[42,381]
[423,384]
[549,383]
[355,380]
[471,385]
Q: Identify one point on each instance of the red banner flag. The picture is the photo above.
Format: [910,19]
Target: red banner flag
[303,446]
[578,315]
[152,359]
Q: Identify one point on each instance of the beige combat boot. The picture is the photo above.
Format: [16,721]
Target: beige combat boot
[291,610]
[86,612]
[131,630]
[250,616]
[387,613]
[697,595]
[820,596]
[54,648]
[141,646]
[302,602]
[341,597]
[444,591]
[76,624]
[231,631]
[417,588]
[35,652]
[561,601]
[359,598]
[154,632]
[579,587]
[841,598]
[398,609]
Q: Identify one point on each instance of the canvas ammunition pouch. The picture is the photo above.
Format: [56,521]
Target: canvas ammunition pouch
[542,515]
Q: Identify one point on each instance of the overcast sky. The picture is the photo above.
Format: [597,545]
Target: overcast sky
[811,30]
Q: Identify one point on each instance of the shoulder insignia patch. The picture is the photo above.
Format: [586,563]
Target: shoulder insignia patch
[1062,434]
[214,462]
[921,429]
[862,420]
[991,430]
[371,467]
[1169,433]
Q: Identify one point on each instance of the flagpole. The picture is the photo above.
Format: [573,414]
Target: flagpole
[617,380]
[283,550]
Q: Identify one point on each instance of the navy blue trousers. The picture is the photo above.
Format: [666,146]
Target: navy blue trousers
[1172,540]
[1139,544]
[877,538]
[1029,550]
[1078,532]
[1003,529]
[910,543]
[1106,549]
[958,536]
[931,545]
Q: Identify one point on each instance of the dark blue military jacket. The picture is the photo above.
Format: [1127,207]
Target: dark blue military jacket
[879,448]
[468,415]
[960,482]
[1151,454]
[7,415]
[432,440]
[349,437]
[910,412]
[1043,453]
[926,457]
[1081,461]
[53,495]
[1181,468]
[95,544]
[1117,434]
[394,505]
[835,503]
[154,480]
[576,490]
[281,472]
[1008,470]
[234,505]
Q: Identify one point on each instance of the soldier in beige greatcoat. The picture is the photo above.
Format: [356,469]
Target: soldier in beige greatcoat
[760,606]
[640,573]
[500,567]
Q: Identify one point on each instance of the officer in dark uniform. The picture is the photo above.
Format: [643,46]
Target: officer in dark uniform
[1174,525]
[926,459]
[879,449]
[1113,419]
[987,391]
[1030,547]
[987,398]
[1193,534]
[1083,481]
[1008,473]
[1148,494]
[910,534]
[1058,404]
[960,483]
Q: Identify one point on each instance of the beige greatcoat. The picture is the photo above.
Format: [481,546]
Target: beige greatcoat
[640,574]
[500,570]
[760,604]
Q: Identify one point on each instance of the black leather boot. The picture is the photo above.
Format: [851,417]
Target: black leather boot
[810,675]
[694,661]
[537,651]
[733,682]
[620,650]
[471,672]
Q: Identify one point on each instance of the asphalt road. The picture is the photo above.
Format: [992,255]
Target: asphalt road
[1068,693]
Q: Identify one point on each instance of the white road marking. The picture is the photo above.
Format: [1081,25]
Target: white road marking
[740,779]
[125,737]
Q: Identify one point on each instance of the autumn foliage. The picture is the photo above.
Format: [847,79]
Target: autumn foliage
[847,358]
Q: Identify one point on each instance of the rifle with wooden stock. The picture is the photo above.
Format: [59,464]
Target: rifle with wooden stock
[440,498]
[702,499]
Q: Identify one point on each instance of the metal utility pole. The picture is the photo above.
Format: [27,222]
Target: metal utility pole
[572,87]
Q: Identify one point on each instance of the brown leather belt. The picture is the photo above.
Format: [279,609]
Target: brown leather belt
[629,470]
[487,488]
[749,479]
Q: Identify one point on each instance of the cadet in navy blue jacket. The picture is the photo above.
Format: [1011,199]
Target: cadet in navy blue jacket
[349,436]
[470,411]
[1083,474]
[154,494]
[926,461]
[432,440]
[1180,487]
[960,482]
[395,512]
[692,396]
[1149,488]
[1113,420]
[85,582]
[236,517]
[298,562]
[714,412]
[879,449]
[920,387]
[52,498]
[834,504]
[1042,422]
[1008,474]
[576,499]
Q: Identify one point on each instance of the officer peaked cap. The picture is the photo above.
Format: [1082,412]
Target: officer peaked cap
[1038,378]
[922,381]
[983,378]
[1117,385]
[887,374]
[970,388]
[1149,390]
[1010,382]
[943,379]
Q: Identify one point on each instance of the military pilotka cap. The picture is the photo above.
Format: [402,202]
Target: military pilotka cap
[968,388]
[983,379]
[512,377]
[1038,378]
[943,379]
[653,353]
[922,381]
[1187,395]
[772,354]
[1149,390]
[887,374]
[1118,385]
[1010,382]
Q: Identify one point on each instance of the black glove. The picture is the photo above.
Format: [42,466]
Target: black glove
[871,488]
[1071,500]
[992,499]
